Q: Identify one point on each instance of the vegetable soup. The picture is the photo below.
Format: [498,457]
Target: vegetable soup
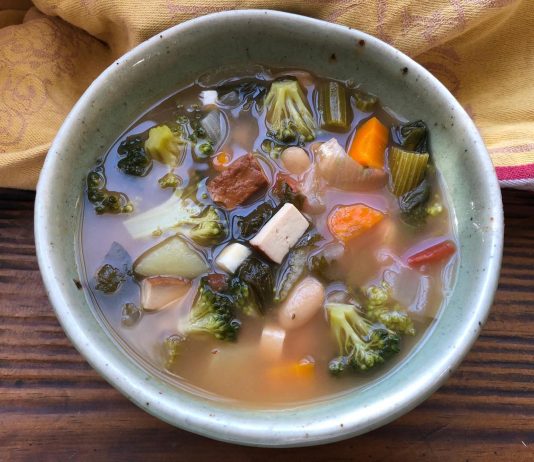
[270,239]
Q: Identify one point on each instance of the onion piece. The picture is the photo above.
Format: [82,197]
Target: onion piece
[216,127]
[343,172]
[312,186]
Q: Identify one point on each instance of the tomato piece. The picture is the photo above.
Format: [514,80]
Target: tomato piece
[433,254]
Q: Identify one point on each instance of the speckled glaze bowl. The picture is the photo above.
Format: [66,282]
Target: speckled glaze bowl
[180,55]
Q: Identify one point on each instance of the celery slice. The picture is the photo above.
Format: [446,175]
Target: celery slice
[407,169]
[336,114]
[365,102]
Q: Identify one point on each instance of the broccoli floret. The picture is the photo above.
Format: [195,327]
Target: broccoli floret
[207,228]
[172,347]
[169,180]
[380,307]
[108,279]
[244,297]
[204,224]
[104,200]
[212,313]
[434,209]
[288,115]
[130,315]
[203,151]
[362,344]
[134,159]
[166,145]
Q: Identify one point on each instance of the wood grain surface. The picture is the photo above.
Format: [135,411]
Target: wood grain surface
[53,406]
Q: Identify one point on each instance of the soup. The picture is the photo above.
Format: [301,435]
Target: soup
[271,239]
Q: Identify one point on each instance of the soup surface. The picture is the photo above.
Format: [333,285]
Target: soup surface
[270,239]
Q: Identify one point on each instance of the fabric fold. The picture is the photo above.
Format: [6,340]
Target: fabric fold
[482,50]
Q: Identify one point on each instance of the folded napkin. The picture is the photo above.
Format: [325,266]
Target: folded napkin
[482,50]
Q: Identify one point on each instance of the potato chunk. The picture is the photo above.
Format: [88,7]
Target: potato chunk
[171,257]
[158,292]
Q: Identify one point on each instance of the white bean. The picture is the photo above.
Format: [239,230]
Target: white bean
[295,160]
[302,303]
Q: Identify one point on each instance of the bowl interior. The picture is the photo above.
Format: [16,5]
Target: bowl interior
[237,40]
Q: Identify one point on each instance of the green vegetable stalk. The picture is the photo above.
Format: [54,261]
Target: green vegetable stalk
[334,108]
[407,169]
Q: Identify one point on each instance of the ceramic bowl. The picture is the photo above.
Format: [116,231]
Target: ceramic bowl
[163,64]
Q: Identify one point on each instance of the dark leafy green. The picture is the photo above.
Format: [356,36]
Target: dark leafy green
[104,200]
[325,262]
[134,160]
[413,204]
[283,193]
[258,275]
[294,266]
[412,136]
[108,279]
[250,224]
[244,94]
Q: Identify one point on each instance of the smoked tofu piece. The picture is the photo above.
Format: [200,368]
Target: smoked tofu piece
[157,292]
[232,256]
[236,183]
[281,233]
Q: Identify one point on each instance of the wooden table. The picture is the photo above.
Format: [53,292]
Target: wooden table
[53,406]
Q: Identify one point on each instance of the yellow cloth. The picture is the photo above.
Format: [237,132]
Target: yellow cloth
[482,50]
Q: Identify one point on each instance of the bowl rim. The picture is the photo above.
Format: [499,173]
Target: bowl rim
[188,414]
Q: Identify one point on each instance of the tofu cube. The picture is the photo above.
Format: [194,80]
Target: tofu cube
[232,256]
[281,233]
[208,98]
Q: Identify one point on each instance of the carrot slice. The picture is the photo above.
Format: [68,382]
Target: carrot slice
[302,370]
[221,160]
[350,221]
[369,144]
[433,254]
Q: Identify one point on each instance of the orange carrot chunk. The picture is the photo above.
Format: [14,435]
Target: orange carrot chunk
[369,144]
[350,221]
[221,160]
[302,370]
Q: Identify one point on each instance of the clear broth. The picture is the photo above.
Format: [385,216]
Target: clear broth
[236,371]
